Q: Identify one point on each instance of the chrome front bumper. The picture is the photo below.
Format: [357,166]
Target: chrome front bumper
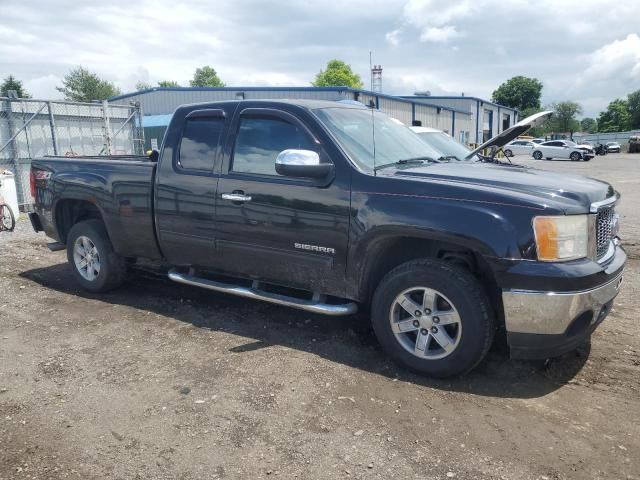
[551,313]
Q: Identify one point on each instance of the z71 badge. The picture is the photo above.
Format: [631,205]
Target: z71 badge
[314,248]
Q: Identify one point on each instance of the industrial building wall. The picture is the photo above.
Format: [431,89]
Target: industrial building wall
[462,103]
[480,112]
[396,109]
[158,102]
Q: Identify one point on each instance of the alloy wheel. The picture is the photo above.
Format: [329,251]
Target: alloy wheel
[425,323]
[86,258]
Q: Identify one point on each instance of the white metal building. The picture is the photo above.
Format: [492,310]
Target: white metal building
[159,103]
[487,118]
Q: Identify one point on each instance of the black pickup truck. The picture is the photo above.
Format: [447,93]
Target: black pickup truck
[330,207]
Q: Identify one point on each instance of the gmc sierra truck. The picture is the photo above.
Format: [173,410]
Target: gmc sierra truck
[332,207]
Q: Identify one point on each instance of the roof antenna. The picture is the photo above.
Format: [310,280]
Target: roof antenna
[373,118]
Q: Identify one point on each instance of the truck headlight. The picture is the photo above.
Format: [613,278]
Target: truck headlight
[561,238]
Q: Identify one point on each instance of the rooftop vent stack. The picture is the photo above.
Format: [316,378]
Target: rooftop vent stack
[376,78]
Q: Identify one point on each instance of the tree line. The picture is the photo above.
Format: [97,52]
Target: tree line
[82,85]
[524,94]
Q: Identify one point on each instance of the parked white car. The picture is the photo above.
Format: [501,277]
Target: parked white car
[518,147]
[538,140]
[442,142]
[562,149]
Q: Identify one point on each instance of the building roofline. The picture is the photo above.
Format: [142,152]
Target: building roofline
[459,97]
[401,98]
[222,89]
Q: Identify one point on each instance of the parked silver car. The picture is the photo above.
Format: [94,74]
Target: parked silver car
[613,147]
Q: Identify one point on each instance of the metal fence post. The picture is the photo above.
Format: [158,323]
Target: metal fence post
[107,127]
[52,124]
[13,150]
[139,129]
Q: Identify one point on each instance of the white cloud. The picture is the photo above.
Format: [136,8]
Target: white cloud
[434,18]
[44,87]
[393,37]
[439,34]
[619,59]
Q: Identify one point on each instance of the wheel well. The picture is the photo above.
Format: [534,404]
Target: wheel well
[70,212]
[387,254]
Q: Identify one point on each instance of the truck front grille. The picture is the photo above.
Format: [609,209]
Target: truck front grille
[605,230]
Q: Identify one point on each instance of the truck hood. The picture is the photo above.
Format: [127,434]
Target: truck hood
[513,132]
[564,191]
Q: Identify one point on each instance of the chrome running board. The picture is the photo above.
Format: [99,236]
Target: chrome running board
[314,305]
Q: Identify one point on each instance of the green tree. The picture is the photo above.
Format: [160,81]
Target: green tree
[11,83]
[519,92]
[143,86]
[81,85]
[564,116]
[616,117]
[633,105]
[206,77]
[589,125]
[168,83]
[337,74]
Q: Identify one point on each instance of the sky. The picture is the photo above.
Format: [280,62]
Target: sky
[587,51]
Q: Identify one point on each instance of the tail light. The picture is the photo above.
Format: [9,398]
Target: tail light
[32,183]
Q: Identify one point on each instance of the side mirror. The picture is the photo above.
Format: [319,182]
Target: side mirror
[302,164]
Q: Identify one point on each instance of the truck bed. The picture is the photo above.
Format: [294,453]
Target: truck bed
[119,186]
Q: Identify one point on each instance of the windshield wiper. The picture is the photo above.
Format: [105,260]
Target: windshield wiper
[406,161]
[448,158]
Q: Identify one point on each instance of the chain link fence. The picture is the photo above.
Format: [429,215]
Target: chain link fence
[34,128]
[621,137]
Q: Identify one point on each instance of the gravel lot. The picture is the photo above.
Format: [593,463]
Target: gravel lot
[157,380]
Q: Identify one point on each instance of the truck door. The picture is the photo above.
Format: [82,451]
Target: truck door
[280,229]
[186,187]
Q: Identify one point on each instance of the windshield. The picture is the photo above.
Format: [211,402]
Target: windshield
[447,146]
[355,129]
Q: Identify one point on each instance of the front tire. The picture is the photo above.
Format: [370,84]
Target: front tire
[95,265]
[537,155]
[433,318]
[508,153]
[575,156]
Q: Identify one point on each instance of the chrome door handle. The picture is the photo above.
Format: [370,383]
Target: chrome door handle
[236,197]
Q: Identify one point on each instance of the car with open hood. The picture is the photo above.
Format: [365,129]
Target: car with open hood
[333,208]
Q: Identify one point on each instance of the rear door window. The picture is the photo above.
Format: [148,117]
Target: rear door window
[200,143]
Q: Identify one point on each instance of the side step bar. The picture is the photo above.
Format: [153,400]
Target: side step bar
[314,305]
[56,246]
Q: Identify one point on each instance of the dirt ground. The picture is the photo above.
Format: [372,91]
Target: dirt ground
[158,380]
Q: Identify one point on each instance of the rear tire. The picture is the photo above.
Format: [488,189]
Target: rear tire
[508,153]
[451,327]
[537,155]
[95,265]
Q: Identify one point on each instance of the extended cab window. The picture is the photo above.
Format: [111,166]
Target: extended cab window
[261,139]
[199,144]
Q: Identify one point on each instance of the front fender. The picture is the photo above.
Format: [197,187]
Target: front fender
[489,229]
